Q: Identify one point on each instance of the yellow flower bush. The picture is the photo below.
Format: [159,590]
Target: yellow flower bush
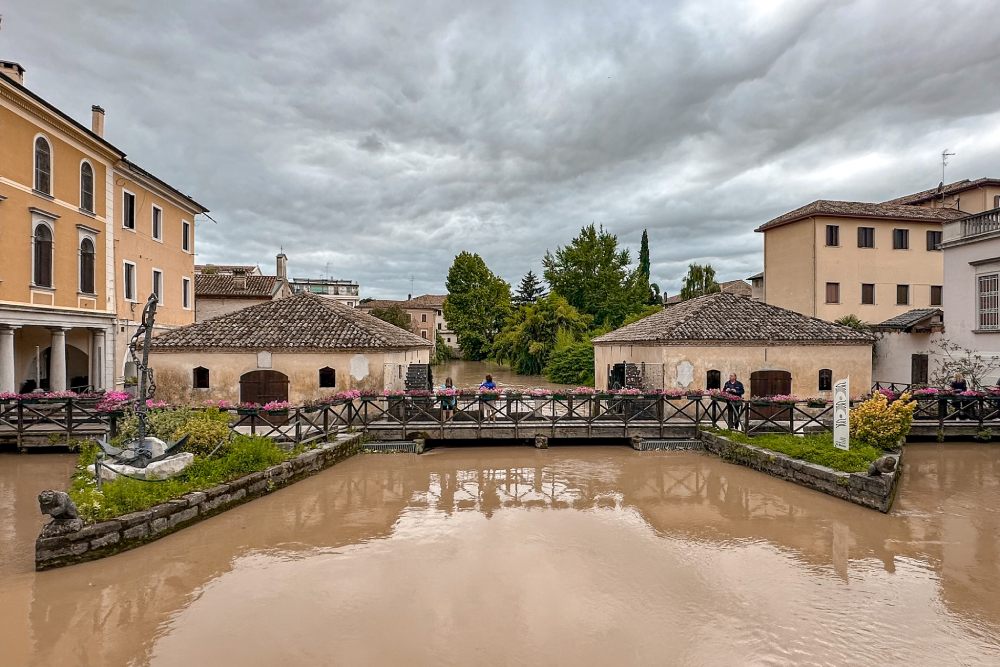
[878,423]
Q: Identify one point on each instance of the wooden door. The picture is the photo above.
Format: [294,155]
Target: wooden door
[770,383]
[263,387]
[918,369]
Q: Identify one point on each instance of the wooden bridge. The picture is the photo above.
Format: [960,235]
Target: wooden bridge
[48,422]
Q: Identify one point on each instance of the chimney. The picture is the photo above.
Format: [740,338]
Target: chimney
[97,120]
[282,269]
[240,279]
[12,70]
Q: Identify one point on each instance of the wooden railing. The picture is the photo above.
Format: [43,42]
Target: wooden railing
[67,419]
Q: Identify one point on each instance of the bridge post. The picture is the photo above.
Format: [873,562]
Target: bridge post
[636,441]
[541,442]
[419,445]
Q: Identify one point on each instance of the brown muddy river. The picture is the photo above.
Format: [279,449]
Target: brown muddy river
[504,556]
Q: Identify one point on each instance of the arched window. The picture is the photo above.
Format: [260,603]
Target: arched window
[87,187]
[199,378]
[43,256]
[825,379]
[327,377]
[713,380]
[87,266]
[43,166]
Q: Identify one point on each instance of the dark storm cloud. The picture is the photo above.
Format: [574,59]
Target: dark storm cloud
[380,139]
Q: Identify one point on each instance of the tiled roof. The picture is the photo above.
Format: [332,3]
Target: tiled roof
[730,287]
[756,276]
[856,209]
[304,322]
[429,300]
[727,319]
[910,318]
[209,285]
[380,303]
[943,191]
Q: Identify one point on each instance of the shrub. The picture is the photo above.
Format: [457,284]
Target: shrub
[572,364]
[882,424]
[205,430]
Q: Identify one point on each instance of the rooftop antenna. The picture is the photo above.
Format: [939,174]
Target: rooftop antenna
[944,162]
[327,270]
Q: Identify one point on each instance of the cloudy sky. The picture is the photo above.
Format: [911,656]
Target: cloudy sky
[379,139]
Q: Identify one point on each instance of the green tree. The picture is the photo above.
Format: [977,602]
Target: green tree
[478,303]
[532,331]
[700,280]
[852,321]
[393,314]
[442,353]
[593,275]
[530,290]
[571,362]
[655,297]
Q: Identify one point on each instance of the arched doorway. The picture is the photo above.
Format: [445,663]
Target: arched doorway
[77,370]
[770,383]
[263,387]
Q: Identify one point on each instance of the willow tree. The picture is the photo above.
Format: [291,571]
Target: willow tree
[699,281]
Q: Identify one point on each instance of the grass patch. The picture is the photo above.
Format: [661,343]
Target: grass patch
[244,455]
[816,448]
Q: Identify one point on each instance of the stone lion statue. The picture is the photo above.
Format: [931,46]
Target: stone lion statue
[58,505]
[882,466]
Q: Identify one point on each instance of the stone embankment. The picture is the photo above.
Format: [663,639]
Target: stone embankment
[860,488]
[131,530]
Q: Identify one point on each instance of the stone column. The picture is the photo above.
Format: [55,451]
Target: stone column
[7,359]
[57,360]
[97,358]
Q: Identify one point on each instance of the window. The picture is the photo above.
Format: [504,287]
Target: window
[439,326]
[825,379]
[129,281]
[87,266]
[713,380]
[996,201]
[833,235]
[901,239]
[868,293]
[902,295]
[158,285]
[833,292]
[186,292]
[185,236]
[157,223]
[199,378]
[87,187]
[866,237]
[128,210]
[423,334]
[936,295]
[988,301]
[43,166]
[934,240]
[43,256]
[327,377]
[423,317]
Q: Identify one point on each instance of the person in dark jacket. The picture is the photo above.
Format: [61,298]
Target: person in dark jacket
[734,386]
[965,409]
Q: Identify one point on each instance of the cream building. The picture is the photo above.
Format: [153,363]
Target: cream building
[219,290]
[87,235]
[295,349]
[873,260]
[698,343]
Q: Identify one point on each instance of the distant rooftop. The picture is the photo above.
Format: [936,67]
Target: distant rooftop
[944,191]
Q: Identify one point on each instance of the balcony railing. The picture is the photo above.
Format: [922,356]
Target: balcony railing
[975,225]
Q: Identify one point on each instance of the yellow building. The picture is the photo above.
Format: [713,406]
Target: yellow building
[87,236]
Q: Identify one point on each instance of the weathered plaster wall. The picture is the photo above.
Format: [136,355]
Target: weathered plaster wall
[802,361]
[354,370]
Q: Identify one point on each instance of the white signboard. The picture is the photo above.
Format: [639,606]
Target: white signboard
[842,414]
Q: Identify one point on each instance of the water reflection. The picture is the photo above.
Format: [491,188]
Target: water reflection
[456,552]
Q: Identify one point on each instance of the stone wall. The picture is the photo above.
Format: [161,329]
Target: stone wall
[874,492]
[131,530]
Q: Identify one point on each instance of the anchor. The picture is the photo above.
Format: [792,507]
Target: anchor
[144,450]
